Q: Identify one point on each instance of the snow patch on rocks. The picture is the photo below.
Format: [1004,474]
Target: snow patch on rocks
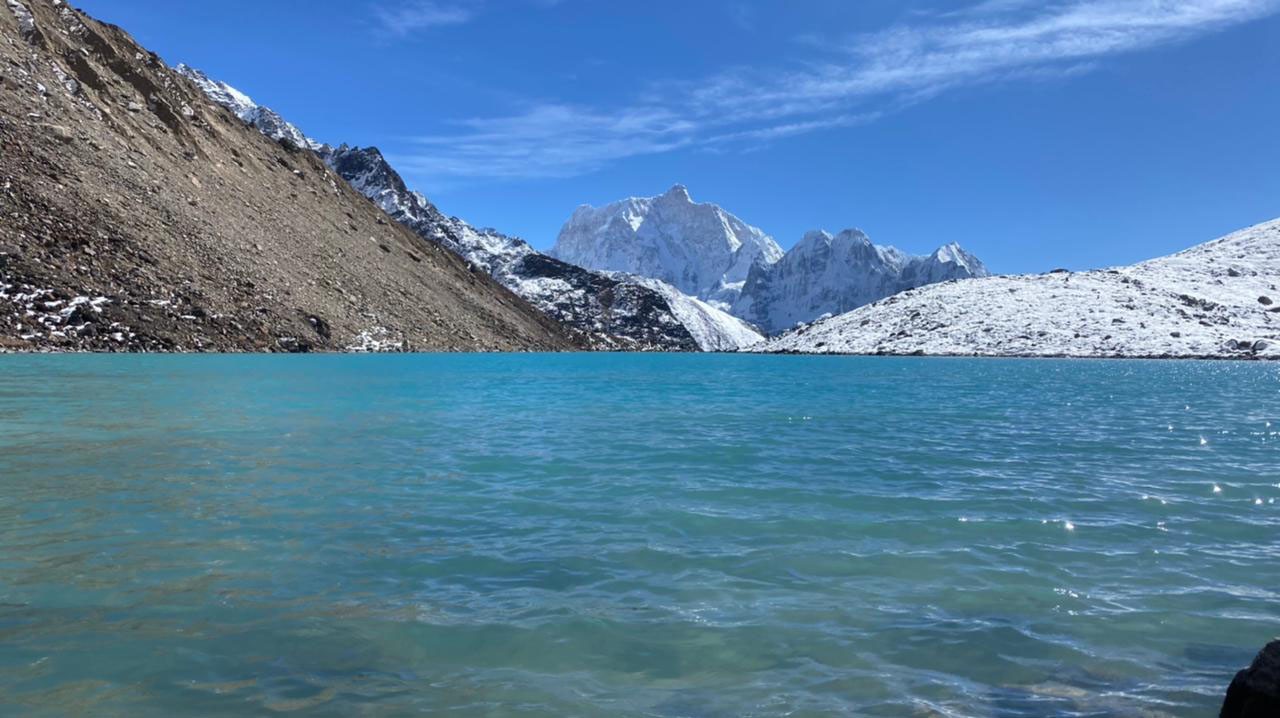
[26,22]
[42,315]
[377,340]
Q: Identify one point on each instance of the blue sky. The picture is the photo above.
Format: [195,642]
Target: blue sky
[1068,133]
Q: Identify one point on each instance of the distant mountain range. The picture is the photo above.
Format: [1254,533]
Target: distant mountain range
[825,274]
[705,251]
[662,273]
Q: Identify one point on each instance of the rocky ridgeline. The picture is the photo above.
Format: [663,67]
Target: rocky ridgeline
[138,216]
[828,274]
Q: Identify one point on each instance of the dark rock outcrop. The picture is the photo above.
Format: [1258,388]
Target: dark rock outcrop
[1255,692]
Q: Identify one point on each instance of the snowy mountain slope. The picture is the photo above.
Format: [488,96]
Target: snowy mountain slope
[706,252]
[1218,299]
[698,248]
[825,274]
[264,118]
[616,312]
[613,312]
[713,329]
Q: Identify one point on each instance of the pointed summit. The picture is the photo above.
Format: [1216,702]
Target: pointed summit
[678,192]
[699,248]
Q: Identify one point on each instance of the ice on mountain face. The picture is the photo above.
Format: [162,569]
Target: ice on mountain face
[1214,300]
[826,274]
[713,329]
[265,119]
[699,249]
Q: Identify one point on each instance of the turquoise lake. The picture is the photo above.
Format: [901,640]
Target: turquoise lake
[620,535]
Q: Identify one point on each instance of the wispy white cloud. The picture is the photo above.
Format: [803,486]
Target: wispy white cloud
[405,18]
[549,140]
[847,80]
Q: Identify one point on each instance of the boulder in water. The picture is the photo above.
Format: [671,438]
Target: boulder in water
[1255,692]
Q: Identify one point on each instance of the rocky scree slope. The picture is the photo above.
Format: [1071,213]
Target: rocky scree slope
[1216,300]
[825,274]
[138,215]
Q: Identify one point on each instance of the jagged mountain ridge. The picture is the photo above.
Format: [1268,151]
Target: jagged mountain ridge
[1215,300]
[698,248]
[704,250]
[140,216]
[611,311]
[831,274]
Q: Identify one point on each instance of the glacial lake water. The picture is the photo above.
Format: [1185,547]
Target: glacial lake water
[598,535]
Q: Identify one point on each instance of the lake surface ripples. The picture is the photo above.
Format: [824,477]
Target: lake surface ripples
[596,535]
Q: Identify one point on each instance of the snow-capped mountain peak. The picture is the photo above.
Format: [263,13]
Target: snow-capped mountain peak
[699,248]
[678,193]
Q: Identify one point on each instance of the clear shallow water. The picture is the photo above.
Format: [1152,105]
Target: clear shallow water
[633,535]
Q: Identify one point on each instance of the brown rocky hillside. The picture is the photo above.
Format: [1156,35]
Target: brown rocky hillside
[135,215]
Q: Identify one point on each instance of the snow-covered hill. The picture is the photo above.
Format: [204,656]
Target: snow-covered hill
[612,311]
[825,274]
[1218,299]
[698,248]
